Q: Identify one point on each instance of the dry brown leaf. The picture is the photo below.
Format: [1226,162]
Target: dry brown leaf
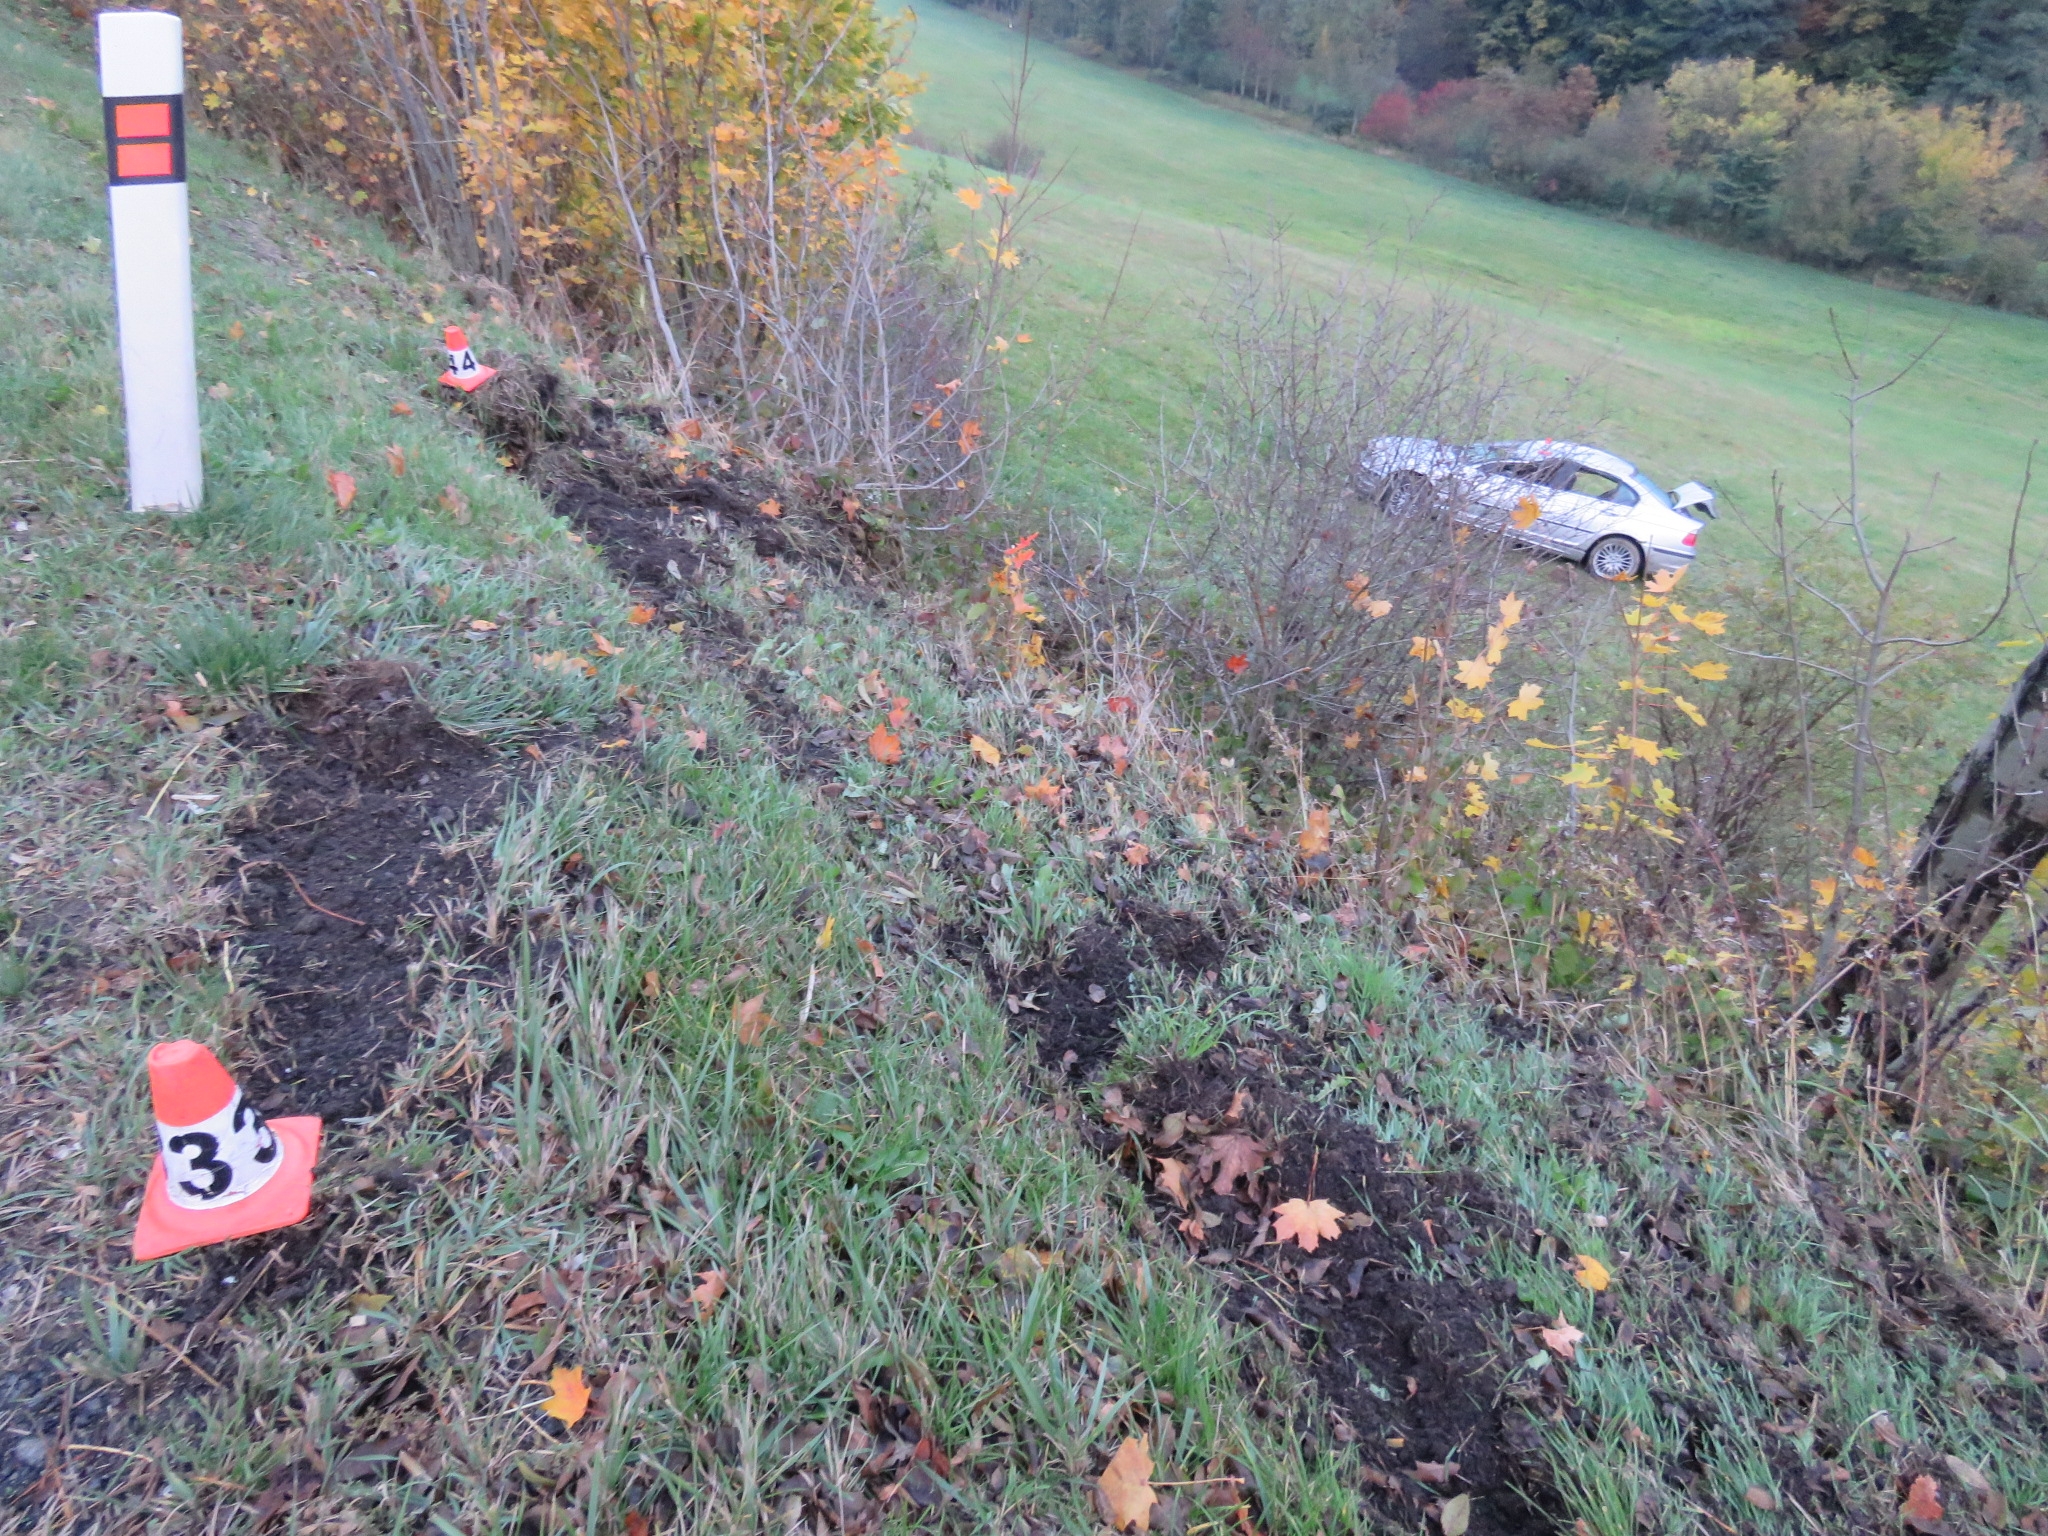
[1456,1517]
[752,1019]
[1112,750]
[884,745]
[571,1399]
[1172,1177]
[1137,855]
[1760,1498]
[395,457]
[1995,1508]
[1881,1425]
[1225,1159]
[1561,1339]
[1126,1486]
[712,1286]
[1435,1472]
[1306,1222]
[1922,1509]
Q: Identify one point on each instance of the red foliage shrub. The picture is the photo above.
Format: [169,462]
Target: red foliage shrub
[1387,120]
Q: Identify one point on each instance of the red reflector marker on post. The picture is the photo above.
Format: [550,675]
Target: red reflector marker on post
[142,89]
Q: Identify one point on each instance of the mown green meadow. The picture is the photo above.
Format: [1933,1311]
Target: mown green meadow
[1694,360]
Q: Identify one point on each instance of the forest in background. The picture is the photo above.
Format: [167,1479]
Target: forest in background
[1902,140]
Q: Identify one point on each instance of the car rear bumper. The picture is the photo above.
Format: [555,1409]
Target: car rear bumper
[1659,558]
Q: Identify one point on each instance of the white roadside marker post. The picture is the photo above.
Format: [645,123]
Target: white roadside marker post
[142,86]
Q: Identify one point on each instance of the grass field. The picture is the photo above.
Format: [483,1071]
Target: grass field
[1696,361]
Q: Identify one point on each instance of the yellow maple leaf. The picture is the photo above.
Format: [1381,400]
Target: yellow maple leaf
[1709,671]
[1864,857]
[1591,1273]
[1422,648]
[1462,711]
[1510,611]
[1641,746]
[571,1399]
[1476,804]
[1525,703]
[1662,584]
[1580,776]
[1489,769]
[1306,1222]
[1475,673]
[968,196]
[1824,889]
[825,933]
[1708,622]
[984,749]
[1692,710]
[1526,512]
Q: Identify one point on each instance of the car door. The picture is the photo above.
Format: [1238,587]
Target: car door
[1496,490]
[1586,506]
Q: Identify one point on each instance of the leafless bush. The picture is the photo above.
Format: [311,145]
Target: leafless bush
[1010,153]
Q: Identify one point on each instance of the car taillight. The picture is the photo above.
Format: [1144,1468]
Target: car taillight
[1691,539]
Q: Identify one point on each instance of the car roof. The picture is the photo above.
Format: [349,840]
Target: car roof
[1597,459]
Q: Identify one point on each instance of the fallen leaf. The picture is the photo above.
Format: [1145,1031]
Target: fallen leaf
[1235,665]
[884,745]
[571,1398]
[395,457]
[696,741]
[1973,1478]
[1922,1509]
[1225,1159]
[1126,1485]
[705,1294]
[1112,750]
[636,1524]
[752,1018]
[1306,1222]
[343,484]
[400,408]
[1591,1273]
[602,646]
[1045,792]
[1172,1177]
[1137,855]
[984,749]
[1456,1517]
[1435,1472]
[1315,837]
[1561,1339]
[1760,1498]
[640,614]
[825,933]
[770,508]
[482,626]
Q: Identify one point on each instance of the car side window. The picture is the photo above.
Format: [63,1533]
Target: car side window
[1520,469]
[1604,488]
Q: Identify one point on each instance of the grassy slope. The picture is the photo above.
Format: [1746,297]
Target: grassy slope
[1699,361]
[647,1135]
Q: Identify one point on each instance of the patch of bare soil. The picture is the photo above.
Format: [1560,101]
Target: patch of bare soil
[353,878]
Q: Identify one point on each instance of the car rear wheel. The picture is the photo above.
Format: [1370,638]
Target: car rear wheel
[1407,492]
[1615,558]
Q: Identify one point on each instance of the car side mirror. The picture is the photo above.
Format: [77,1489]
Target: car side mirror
[1693,497]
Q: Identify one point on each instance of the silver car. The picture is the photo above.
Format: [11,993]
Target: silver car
[1566,498]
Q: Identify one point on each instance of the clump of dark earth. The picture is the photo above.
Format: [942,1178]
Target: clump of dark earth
[1410,1365]
[363,849]
[1072,1003]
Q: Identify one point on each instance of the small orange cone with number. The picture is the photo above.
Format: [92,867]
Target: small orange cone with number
[222,1171]
[464,371]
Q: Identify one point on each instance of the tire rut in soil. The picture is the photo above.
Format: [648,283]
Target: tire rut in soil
[1410,1368]
[359,848]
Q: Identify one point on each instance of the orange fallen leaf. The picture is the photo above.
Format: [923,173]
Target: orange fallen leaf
[985,749]
[1112,750]
[1235,665]
[602,646]
[571,1399]
[770,508]
[343,484]
[1045,792]
[1137,855]
[884,745]
[1922,1509]
[1315,837]
[636,1524]
[236,332]
[400,408]
[899,712]
[640,614]
[1172,1177]
[1126,1487]
[1306,1222]
[706,1295]
[696,741]
[1591,1273]
[395,457]
[1759,1497]
[752,1018]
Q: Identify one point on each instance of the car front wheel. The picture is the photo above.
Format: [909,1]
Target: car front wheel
[1407,493]
[1615,558]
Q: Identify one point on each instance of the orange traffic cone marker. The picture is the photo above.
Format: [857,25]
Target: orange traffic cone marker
[464,371]
[221,1171]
